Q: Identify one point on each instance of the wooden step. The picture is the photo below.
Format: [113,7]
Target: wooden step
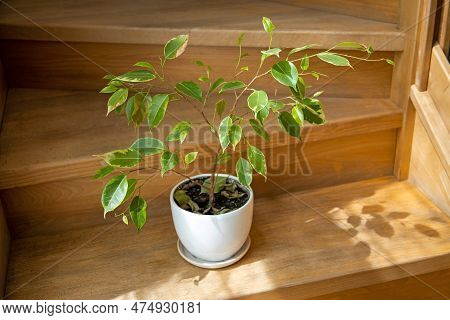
[73,127]
[304,244]
[210,23]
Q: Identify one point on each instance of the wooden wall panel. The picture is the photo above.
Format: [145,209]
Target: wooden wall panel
[439,84]
[53,65]
[4,233]
[380,10]
[427,171]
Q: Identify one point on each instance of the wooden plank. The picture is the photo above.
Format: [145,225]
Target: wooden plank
[4,250]
[425,39]
[209,23]
[426,287]
[3,93]
[403,77]
[73,134]
[439,84]
[433,124]
[386,11]
[52,65]
[364,230]
[52,207]
[428,171]
[443,37]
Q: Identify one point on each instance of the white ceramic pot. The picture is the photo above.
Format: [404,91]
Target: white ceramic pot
[210,237]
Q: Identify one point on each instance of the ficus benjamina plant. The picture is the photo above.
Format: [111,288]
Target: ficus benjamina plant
[131,95]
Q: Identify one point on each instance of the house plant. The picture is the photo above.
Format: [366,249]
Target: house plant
[212,212]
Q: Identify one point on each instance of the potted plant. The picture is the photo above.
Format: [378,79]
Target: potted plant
[212,212]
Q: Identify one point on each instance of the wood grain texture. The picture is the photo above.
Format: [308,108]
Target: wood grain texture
[75,203]
[433,124]
[52,65]
[364,230]
[4,250]
[210,23]
[425,40]
[385,11]
[424,287]
[428,171]
[3,93]
[439,84]
[443,36]
[73,127]
[402,79]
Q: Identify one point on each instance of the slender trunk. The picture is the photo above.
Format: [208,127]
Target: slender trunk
[213,181]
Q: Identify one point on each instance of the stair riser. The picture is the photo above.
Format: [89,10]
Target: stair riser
[386,11]
[38,64]
[71,204]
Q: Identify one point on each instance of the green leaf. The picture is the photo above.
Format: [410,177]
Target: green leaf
[219,183]
[389,61]
[179,132]
[297,114]
[125,219]
[184,201]
[190,89]
[300,89]
[190,157]
[144,64]
[258,128]
[138,110]
[295,50]
[244,171]
[271,52]
[289,124]
[168,161]
[352,45]
[334,59]
[176,46]
[109,89]
[114,193]
[262,114]
[117,99]
[138,212]
[216,84]
[103,172]
[313,112]
[276,105]
[240,39]
[317,94]
[136,76]
[220,107]
[125,158]
[157,109]
[304,63]
[285,73]
[235,134]
[131,187]
[199,63]
[223,158]
[232,85]
[257,160]
[269,27]
[257,100]
[148,146]
[223,131]
[109,77]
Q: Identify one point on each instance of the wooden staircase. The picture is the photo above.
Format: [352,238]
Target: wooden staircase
[332,216]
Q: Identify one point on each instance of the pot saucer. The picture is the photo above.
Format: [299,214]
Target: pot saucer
[189,257]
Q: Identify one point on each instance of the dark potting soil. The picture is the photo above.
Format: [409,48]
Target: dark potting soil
[193,190]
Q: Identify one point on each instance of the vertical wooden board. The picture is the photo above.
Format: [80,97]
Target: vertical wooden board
[402,78]
[3,93]
[385,11]
[439,84]
[427,171]
[4,250]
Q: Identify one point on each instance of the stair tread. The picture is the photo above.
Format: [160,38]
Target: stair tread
[73,127]
[348,236]
[208,22]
